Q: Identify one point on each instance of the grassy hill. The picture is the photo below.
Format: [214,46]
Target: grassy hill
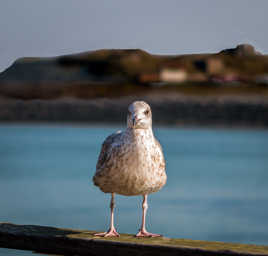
[120,72]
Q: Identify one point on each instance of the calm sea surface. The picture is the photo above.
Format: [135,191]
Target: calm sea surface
[217,186]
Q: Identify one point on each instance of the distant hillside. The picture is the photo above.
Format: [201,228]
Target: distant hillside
[118,72]
[95,66]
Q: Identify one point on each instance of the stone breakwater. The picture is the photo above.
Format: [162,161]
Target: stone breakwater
[169,110]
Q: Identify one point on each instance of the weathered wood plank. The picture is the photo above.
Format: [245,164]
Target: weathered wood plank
[83,242]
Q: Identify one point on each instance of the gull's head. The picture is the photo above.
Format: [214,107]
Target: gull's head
[139,115]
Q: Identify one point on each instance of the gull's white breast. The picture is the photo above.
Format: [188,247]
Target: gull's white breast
[133,165]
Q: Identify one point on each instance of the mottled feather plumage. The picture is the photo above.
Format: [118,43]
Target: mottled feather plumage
[131,162]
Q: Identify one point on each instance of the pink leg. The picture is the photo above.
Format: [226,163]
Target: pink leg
[143,232]
[111,231]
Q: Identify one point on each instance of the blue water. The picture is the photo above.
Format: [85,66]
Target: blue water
[216,189]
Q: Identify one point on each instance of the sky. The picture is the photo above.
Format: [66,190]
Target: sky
[56,27]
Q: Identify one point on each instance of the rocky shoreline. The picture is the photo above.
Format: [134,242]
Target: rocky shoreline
[171,110]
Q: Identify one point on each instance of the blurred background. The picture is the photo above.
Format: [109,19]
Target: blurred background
[68,72]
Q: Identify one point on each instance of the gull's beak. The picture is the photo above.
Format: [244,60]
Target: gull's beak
[135,120]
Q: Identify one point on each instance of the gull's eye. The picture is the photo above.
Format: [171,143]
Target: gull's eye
[146,112]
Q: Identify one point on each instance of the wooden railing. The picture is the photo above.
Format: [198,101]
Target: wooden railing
[60,241]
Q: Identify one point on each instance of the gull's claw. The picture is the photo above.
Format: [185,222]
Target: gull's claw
[144,233]
[109,233]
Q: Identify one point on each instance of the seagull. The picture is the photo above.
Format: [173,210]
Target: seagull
[131,163]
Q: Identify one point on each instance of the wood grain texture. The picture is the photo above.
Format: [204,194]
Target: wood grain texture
[60,241]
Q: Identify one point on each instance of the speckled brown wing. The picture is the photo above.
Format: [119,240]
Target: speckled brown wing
[105,154]
[162,164]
